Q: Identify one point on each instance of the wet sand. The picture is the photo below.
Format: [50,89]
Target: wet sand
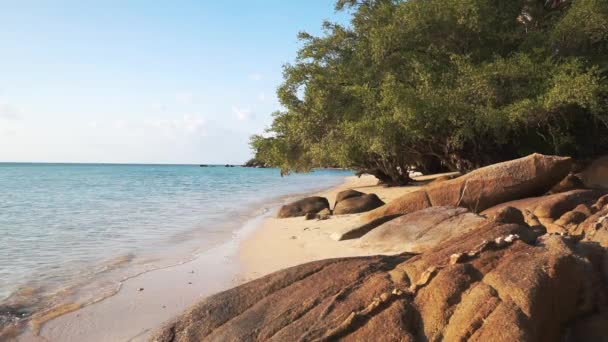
[264,245]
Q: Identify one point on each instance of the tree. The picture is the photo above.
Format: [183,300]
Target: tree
[444,84]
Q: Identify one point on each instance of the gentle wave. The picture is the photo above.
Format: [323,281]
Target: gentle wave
[72,234]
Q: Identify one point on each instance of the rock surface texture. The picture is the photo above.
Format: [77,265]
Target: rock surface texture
[358,204]
[418,231]
[502,281]
[533,175]
[308,205]
[596,174]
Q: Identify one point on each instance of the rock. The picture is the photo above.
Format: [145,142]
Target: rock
[304,206]
[591,328]
[571,182]
[443,178]
[342,195]
[550,206]
[594,228]
[358,204]
[492,283]
[348,233]
[324,214]
[310,216]
[420,230]
[596,174]
[486,187]
[571,218]
[556,206]
[601,203]
[510,215]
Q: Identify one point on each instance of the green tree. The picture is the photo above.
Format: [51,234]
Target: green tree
[444,84]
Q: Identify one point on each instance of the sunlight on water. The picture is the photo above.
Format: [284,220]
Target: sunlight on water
[64,225]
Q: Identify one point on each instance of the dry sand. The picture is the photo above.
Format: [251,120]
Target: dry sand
[265,245]
[282,243]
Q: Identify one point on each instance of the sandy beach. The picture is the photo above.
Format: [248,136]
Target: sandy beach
[264,245]
[281,243]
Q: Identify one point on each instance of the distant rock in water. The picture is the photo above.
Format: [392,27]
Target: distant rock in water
[485,187]
[308,205]
[255,163]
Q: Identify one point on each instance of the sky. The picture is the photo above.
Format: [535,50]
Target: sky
[144,81]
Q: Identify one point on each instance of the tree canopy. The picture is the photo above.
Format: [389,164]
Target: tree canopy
[444,84]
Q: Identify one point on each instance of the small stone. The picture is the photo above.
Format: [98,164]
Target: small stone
[293,237]
[455,258]
[140,289]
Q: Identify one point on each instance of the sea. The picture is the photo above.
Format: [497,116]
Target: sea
[74,232]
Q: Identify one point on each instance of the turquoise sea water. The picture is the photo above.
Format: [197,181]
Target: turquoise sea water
[65,226]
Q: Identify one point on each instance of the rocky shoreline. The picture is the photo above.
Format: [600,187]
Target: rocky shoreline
[500,254]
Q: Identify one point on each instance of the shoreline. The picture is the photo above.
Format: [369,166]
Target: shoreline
[111,317]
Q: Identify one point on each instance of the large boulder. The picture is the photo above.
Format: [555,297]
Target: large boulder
[498,282]
[483,188]
[308,205]
[350,193]
[358,204]
[596,174]
[421,230]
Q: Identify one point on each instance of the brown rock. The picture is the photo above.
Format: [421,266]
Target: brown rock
[359,204]
[591,328]
[594,228]
[324,214]
[510,215]
[420,230]
[310,216]
[342,195]
[596,174]
[550,206]
[485,187]
[494,283]
[571,182]
[304,206]
[571,218]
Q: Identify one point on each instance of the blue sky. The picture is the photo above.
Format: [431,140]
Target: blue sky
[144,81]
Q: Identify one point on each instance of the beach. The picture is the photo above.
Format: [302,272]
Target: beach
[281,243]
[112,262]
[265,244]
[143,302]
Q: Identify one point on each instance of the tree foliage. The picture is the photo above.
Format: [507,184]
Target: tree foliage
[444,84]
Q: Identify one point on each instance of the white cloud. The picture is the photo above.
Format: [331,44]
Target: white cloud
[261,96]
[184,97]
[255,77]
[242,113]
[9,112]
[121,124]
[188,124]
